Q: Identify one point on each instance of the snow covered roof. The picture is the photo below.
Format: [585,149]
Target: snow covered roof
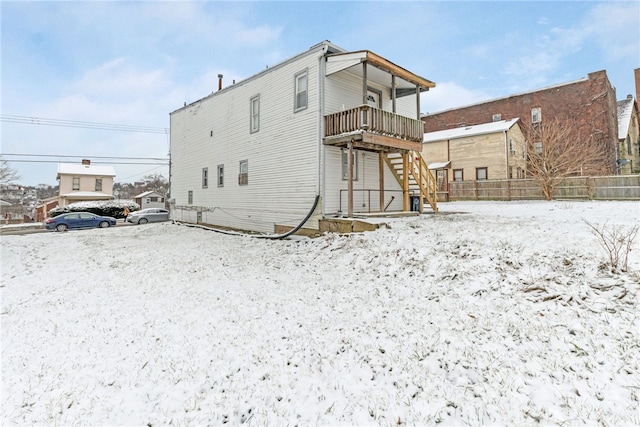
[466,131]
[145,194]
[79,169]
[625,107]
[439,165]
[87,195]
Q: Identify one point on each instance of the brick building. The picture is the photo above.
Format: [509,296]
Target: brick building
[590,102]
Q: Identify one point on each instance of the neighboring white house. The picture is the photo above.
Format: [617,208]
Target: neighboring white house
[329,126]
[84,182]
[149,199]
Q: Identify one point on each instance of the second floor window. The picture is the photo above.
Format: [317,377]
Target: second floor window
[76,183]
[536,115]
[255,113]
[301,91]
[98,184]
[205,177]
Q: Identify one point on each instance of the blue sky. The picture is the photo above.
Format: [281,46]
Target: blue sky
[133,63]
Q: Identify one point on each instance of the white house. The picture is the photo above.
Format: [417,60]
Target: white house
[150,199]
[335,130]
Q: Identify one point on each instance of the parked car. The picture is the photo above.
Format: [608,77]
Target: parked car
[74,220]
[148,215]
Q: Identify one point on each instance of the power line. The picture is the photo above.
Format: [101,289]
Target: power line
[80,124]
[92,162]
[83,157]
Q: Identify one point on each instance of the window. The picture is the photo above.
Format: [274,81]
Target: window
[243,176]
[629,145]
[190,197]
[481,173]
[497,117]
[220,175]
[98,184]
[255,114]
[537,147]
[76,183]
[457,175]
[301,91]
[153,199]
[205,177]
[536,115]
[345,165]
[512,148]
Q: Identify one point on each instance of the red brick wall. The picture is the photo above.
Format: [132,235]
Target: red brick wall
[591,103]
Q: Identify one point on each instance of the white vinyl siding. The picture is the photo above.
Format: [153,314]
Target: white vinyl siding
[283,155]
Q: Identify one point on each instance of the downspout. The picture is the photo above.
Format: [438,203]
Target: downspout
[321,175]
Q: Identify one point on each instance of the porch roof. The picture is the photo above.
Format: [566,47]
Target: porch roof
[378,70]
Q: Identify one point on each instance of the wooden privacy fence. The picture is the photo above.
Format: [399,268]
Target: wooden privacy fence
[626,187]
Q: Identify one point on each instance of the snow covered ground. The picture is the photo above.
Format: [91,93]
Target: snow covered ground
[490,313]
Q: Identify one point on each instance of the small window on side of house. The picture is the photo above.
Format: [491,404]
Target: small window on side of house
[98,184]
[536,115]
[481,174]
[255,114]
[301,91]
[205,177]
[345,165]
[243,176]
[220,175]
[190,197]
[497,117]
[512,148]
[458,175]
[76,183]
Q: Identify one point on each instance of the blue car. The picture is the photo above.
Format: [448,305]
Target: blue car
[74,220]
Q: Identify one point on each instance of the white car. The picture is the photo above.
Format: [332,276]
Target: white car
[148,215]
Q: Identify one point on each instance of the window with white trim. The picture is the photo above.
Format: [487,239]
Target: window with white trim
[301,91]
[345,165]
[76,183]
[98,184]
[243,176]
[220,175]
[536,115]
[458,175]
[537,147]
[255,114]
[205,177]
[190,197]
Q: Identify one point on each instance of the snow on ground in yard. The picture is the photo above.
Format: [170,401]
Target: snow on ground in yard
[489,313]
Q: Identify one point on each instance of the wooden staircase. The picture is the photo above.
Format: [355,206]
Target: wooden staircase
[420,180]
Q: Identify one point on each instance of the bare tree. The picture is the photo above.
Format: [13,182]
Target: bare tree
[157,183]
[7,173]
[558,149]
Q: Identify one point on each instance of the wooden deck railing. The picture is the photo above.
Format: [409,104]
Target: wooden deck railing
[370,119]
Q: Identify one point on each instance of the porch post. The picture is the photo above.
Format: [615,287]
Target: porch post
[420,187]
[418,101]
[393,93]
[364,83]
[381,179]
[405,181]
[350,181]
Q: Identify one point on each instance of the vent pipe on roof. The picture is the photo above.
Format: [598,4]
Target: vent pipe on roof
[219,81]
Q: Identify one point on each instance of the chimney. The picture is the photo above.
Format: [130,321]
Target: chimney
[86,162]
[219,81]
[637,76]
